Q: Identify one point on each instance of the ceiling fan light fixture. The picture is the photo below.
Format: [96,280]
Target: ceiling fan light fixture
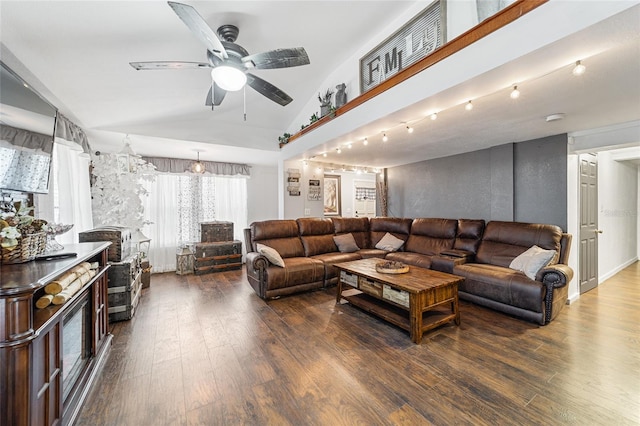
[229,78]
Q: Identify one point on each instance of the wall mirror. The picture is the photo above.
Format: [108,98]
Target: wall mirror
[27,132]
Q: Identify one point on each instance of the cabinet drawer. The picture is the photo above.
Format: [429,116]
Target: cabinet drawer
[349,278]
[398,296]
[369,286]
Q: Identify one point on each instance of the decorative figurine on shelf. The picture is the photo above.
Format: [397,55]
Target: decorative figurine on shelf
[341,95]
[325,102]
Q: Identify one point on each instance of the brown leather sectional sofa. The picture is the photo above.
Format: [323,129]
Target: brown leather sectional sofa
[481,254]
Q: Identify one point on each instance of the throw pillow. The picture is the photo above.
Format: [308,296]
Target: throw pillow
[346,243]
[532,260]
[271,254]
[389,243]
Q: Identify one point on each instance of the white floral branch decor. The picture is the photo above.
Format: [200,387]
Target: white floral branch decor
[117,190]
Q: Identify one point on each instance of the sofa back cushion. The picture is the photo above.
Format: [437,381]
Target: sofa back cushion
[281,235]
[504,241]
[356,226]
[316,235]
[431,236]
[469,234]
[398,227]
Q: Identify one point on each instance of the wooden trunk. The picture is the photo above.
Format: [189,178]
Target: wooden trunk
[215,257]
[120,239]
[125,285]
[216,231]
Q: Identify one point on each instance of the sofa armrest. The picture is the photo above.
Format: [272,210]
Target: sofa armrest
[554,277]
[446,263]
[256,262]
[557,275]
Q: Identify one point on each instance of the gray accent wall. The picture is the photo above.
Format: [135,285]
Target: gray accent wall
[524,181]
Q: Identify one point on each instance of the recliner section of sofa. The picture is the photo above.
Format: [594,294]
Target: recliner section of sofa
[317,239]
[490,282]
[300,273]
[465,247]
[428,237]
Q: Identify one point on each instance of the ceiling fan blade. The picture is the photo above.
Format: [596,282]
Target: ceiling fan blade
[168,65]
[279,58]
[267,89]
[199,27]
[219,95]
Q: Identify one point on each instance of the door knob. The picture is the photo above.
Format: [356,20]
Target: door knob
[598,231]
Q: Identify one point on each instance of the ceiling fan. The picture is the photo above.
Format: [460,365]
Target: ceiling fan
[230,63]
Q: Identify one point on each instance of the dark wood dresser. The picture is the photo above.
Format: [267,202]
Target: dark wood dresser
[49,357]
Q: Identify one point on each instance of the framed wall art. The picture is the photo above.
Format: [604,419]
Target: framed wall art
[332,195]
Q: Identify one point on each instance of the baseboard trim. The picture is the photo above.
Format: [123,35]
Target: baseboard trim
[611,273]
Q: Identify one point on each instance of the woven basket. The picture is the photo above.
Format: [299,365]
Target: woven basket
[29,246]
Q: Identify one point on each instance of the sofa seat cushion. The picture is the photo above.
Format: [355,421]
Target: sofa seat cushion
[502,285]
[330,259]
[415,259]
[367,253]
[296,271]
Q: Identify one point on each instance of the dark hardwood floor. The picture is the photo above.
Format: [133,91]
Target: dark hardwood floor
[206,350]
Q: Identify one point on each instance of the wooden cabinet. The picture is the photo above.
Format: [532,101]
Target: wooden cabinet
[40,383]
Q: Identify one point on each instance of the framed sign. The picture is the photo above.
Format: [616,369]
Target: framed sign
[332,195]
[314,190]
[415,40]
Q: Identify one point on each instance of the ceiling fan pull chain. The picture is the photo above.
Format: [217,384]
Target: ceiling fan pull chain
[244,101]
[213,94]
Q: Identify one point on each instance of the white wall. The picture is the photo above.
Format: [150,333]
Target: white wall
[301,206]
[617,215]
[262,194]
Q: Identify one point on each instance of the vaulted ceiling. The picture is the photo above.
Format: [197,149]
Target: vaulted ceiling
[77,54]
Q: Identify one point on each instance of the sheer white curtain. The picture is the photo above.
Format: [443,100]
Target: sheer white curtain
[161,207]
[231,203]
[178,203]
[69,197]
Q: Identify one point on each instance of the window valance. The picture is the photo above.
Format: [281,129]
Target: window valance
[25,139]
[179,165]
[69,131]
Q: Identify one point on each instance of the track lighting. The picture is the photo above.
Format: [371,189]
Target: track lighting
[579,69]
[365,142]
[468,106]
[409,129]
[338,150]
[515,93]
[349,145]
[324,154]
[434,116]
[384,137]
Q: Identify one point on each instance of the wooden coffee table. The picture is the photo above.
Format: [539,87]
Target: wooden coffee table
[413,301]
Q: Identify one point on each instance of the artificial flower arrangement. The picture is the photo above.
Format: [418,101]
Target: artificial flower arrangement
[16,223]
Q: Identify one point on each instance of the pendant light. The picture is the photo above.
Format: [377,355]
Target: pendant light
[198,166]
